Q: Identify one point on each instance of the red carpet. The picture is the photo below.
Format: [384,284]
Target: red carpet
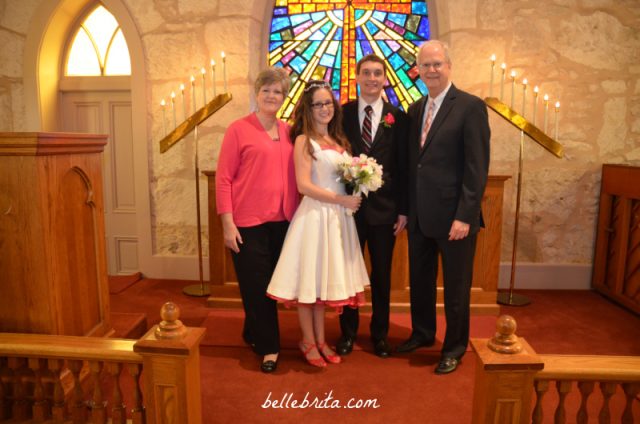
[404,386]
[224,328]
[119,283]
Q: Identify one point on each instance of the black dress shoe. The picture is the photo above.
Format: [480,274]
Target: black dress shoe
[268,366]
[382,348]
[344,345]
[413,344]
[447,365]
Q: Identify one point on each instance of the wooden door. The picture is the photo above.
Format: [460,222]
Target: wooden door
[109,112]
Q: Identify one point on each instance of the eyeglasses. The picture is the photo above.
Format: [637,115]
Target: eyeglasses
[319,106]
[436,65]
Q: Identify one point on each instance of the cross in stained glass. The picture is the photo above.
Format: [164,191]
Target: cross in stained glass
[323,39]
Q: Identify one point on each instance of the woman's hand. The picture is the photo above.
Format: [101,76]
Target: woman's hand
[232,237]
[350,202]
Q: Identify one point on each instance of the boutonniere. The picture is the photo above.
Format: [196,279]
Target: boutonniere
[388,120]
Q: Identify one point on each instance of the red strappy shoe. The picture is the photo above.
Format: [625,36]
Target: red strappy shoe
[307,348]
[332,357]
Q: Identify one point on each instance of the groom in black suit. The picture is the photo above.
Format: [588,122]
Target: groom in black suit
[448,167]
[377,129]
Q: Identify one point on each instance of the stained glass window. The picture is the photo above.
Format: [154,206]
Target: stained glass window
[323,39]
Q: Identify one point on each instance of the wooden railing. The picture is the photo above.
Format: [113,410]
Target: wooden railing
[59,379]
[511,382]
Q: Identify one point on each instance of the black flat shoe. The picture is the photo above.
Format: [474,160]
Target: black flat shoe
[413,344]
[447,365]
[268,366]
[344,345]
[382,348]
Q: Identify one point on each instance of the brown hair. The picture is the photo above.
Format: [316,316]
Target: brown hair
[371,58]
[303,117]
[272,75]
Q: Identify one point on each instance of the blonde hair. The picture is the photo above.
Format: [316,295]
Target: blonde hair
[270,76]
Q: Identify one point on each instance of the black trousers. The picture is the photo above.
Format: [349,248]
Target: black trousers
[380,241]
[254,266]
[457,273]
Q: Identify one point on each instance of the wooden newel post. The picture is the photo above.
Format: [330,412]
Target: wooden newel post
[171,365]
[504,376]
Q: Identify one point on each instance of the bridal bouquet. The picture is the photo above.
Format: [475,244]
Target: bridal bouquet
[362,173]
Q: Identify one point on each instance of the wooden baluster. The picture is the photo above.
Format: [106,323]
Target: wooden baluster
[631,390]
[118,410]
[4,393]
[57,410]
[41,407]
[137,411]
[564,387]
[97,403]
[607,389]
[78,407]
[541,387]
[586,388]
[20,405]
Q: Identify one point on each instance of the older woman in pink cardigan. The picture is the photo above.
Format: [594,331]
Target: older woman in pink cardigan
[256,197]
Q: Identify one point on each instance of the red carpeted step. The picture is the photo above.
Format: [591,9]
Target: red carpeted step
[128,325]
[119,283]
[224,327]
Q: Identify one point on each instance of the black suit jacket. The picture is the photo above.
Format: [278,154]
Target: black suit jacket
[389,150]
[447,177]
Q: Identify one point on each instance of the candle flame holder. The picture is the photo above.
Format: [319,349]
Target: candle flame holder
[180,132]
[552,146]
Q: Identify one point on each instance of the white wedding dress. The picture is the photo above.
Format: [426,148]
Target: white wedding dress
[321,260]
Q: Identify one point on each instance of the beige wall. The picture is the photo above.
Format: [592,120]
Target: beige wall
[586,53]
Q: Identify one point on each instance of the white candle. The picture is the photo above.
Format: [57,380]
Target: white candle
[224,71]
[164,117]
[504,69]
[493,65]
[546,110]
[535,103]
[173,107]
[513,87]
[524,96]
[193,92]
[184,103]
[213,76]
[557,110]
[204,86]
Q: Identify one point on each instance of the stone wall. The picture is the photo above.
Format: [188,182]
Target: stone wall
[586,53]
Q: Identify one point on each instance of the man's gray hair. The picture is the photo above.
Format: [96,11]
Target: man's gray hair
[444,46]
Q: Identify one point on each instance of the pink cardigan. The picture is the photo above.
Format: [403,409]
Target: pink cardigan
[255,179]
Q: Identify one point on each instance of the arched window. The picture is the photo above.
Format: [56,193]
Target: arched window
[98,47]
[314,40]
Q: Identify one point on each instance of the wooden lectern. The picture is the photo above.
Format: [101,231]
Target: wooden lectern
[53,270]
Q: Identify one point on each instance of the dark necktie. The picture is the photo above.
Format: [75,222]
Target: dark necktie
[366,128]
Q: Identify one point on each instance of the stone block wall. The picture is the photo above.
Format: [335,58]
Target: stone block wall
[584,53]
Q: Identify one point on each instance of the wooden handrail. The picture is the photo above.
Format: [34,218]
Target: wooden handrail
[41,376]
[509,371]
[68,347]
[625,369]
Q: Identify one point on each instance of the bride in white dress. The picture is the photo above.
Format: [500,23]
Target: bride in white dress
[321,262]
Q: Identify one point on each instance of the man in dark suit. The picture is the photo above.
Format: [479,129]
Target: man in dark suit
[448,168]
[377,129]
